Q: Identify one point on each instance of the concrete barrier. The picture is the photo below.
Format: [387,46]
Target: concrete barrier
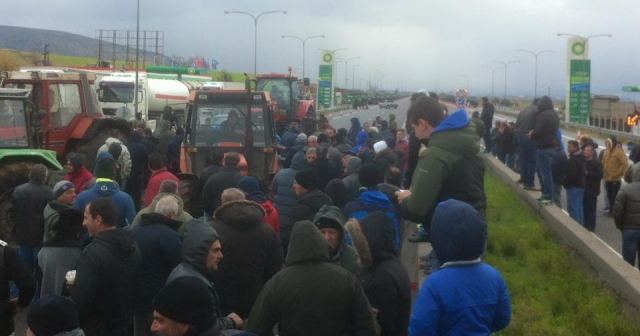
[613,270]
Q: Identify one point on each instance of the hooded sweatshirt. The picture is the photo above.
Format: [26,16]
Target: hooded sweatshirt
[107,188]
[311,296]
[466,296]
[449,168]
[344,255]
[252,255]
[104,283]
[372,200]
[124,159]
[196,243]
[354,130]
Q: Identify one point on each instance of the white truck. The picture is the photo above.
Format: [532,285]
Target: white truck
[115,96]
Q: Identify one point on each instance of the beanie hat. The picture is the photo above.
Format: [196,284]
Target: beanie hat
[186,300]
[307,179]
[249,184]
[52,315]
[60,187]
[369,175]
[105,168]
[380,146]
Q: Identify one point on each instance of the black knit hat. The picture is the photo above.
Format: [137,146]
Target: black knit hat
[105,168]
[186,300]
[369,175]
[307,179]
[52,315]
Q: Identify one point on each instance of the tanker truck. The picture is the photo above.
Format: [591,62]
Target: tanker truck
[115,95]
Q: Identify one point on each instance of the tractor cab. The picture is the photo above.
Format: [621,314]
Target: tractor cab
[227,121]
[290,105]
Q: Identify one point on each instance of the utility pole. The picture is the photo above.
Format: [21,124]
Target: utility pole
[505,65]
[535,55]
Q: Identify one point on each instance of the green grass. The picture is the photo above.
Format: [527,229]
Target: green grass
[551,292]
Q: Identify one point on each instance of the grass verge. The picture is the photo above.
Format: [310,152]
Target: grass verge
[551,292]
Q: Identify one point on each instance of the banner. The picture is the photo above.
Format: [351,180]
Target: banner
[580,91]
[325,81]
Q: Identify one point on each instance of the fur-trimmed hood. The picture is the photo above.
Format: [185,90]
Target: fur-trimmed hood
[240,214]
[359,242]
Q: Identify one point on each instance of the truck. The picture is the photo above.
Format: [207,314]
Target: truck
[116,98]
[20,141]
[226,121]
[71,120]
[290,105]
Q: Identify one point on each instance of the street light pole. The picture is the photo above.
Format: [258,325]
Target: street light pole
[346,68]
[353,75]
[135,85]
[255,18]
[505,65]
[493,72]
[535,77]
[585,39]
[304,42]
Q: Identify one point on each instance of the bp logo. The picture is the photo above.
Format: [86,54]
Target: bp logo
[327,58]
[578,48]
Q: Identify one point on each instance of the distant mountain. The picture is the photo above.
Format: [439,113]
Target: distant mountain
[33,40]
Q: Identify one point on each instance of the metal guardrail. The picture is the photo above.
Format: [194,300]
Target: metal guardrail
[602,132]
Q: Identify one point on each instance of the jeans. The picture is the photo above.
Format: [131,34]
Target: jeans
[612,188]
[557,195]
[527,156]
[574,203]
[488,146]
[544,158]
[510,160]
[630,245]
[589,204]
[29,255]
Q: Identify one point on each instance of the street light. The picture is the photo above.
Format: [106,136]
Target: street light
[304,42]
[255,18]
[505,65]
[135,85]
[353,75]
[346,68]
[535,76]
[585,39]
[493,72]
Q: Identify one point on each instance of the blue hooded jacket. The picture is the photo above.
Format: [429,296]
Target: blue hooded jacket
[108,188]
[373,200]
[466,296]
[456,120]
[361,141]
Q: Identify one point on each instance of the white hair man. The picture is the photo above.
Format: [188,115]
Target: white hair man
[160,245]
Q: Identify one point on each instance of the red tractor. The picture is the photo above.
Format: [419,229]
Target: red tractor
[290,105]
[70,117]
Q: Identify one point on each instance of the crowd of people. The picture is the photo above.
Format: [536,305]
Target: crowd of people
[533,145]
[111,249]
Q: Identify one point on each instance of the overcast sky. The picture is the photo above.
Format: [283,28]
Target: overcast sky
[413,44]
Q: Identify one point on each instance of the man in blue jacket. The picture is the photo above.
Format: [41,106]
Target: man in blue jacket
[466,296]
[105,186]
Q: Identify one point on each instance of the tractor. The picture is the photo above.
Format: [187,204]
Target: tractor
[290,105]
[20,133]
[71,120]
[226,121]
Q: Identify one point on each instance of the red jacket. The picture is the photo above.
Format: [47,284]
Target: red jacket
[79,178]
[153,187]
[272,218]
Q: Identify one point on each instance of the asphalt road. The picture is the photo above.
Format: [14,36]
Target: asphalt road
[605,229]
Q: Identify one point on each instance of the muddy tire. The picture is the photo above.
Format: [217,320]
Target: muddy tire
[11,176]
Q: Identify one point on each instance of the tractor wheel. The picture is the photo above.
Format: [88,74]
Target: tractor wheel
[11,176]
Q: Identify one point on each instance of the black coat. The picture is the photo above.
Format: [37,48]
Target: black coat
[160,247]
[487,114]
[104,285]
[252,255]
[546,129]
[207,172]
[326,172]
[386,282]
[29,200]
[216,184]
[575,174]
[594,174]
[308,205]
[13,269]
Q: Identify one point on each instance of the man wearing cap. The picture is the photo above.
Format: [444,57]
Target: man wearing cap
[53,315]
[330,221]
[310,199]
[64,194]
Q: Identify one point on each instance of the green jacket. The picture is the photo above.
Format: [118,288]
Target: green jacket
[449,168]
[311,296]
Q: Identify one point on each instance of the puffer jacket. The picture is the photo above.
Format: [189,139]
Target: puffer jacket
[125,157]
[252,255]
[626,209]
[197,241]
[285,198]
[614,164]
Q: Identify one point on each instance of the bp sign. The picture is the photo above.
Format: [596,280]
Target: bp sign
[327,58]
[578,48]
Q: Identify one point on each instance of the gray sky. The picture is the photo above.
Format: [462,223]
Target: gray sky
[416,44]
